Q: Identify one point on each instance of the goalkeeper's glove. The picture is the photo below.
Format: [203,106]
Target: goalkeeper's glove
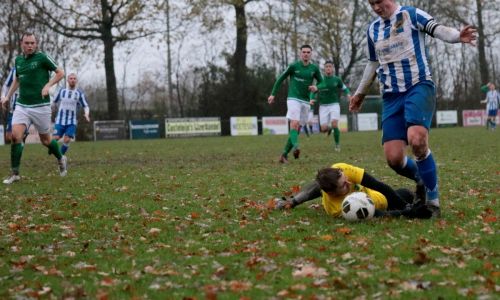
[283,203]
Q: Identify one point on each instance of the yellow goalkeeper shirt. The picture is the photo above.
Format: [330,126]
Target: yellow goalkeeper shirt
[333,205]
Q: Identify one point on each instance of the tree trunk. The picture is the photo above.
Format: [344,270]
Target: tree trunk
[483,66]
[240,53]
[238,82]
[109,63]
[169,86]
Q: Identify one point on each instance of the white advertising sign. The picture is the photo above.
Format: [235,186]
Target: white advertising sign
[181,127]
[446,117]
[367,121]
[244,126]
[274,125]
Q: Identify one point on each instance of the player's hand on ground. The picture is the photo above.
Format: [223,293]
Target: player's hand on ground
[355,102]
[313,88]
[270,99]
[282,203]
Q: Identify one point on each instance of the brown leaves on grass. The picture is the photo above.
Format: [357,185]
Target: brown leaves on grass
[309,270]
[488,215]
[421,258]
[344,230]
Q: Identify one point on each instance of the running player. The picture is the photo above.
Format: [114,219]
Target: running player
[329,107]
[492,100]
[69,100]
[33,105]
[302,73]
[396,52]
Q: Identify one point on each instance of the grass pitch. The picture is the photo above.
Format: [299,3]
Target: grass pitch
[187,218]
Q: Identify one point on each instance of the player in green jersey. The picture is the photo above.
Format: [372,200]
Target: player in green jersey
[329,107]
[302,73]
[33,105]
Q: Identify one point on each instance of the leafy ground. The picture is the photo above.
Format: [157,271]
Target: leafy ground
[188,218]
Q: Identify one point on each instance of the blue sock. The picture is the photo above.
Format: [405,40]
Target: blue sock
[64,148]
[408,170]
[428,173]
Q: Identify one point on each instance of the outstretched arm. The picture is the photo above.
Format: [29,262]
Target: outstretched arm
[309,192]
[466,35]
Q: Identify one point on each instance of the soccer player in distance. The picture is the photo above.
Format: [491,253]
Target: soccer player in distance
[33,69]
[69,100]
[12,106]
[335,183]
[492,100]
[397,54]
[329,107]
[302,73]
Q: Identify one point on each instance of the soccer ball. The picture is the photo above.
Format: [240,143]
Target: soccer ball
[357,206]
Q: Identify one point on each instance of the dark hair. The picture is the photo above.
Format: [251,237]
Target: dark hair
[328,179]
[306,46]
[27,33]
[328,62]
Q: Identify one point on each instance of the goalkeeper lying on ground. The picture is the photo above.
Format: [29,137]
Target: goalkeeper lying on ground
[334,183]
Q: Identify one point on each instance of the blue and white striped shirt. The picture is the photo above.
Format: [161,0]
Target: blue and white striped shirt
[69,101]
[6,87]
[398,44]
[492,99]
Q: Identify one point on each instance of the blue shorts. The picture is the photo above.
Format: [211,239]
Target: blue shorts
[402,110]
[65,130]
[491,113]
[9,123]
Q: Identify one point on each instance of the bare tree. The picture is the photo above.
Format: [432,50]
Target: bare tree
[114,22]
[338,29]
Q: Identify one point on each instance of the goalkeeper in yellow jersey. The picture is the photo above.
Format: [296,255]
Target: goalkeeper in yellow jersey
[334,183]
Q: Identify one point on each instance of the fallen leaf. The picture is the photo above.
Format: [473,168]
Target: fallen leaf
[309,271]
[344,230]
[421,258]
[327,237]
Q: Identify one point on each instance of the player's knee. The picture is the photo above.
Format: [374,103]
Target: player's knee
[395,163]
[419,148]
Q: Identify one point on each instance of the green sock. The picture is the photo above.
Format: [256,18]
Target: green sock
[336,135]
[294,138]
[288,147]
[54,149]
[16,151]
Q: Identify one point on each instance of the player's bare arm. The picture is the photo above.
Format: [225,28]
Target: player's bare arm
[12,89]
[367,79]
[59,74]
[270,99]
[355,102]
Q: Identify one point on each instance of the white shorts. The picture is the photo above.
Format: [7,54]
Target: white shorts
[38,116]
[297,111]
[310,116]
[328,113]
